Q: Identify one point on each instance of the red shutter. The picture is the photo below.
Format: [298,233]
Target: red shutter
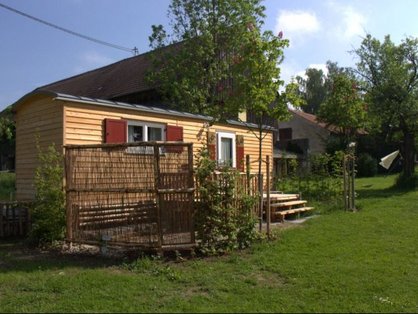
[239,140]
[174,133]
[212,145]
[115,131]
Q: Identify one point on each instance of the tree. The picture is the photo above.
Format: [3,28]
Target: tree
[312,89]
[389,75]
[218,62]
[344,106]
[7,137]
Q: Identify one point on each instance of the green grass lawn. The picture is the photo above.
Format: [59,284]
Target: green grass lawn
[337,262]
[7,186]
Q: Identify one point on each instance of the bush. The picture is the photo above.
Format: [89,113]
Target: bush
[321,182]
[48,214]
[366,166]
[224,219]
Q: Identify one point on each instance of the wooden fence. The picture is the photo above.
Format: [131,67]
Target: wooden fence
[138,194]
[14,219]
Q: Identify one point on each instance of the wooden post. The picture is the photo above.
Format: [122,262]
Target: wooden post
[157,195]
[353,175]
[247,171]
[2,207]
[260,189]
[68,185]
[192,194]
[268,196]
[345,194]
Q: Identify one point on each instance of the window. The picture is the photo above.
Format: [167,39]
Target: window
[226,149]
[285,134]
[144,132]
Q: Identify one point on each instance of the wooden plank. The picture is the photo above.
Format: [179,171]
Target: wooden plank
[288,204]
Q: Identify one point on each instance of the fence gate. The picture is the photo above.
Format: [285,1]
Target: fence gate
[138,194]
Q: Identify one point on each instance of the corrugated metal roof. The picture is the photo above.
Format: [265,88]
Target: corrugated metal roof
[149,109]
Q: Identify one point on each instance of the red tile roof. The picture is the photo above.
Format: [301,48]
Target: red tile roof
[313,118]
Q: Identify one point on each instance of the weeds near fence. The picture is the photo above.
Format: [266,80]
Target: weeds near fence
[48,214]
[320,181]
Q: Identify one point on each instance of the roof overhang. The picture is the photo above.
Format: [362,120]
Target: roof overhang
[136,107]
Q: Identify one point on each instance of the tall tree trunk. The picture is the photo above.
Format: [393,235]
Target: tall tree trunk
[408,154]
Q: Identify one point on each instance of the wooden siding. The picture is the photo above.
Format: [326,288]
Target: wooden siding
[42,117]
[64,122]
[84,125]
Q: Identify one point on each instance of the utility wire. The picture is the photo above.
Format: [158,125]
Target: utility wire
[134,50]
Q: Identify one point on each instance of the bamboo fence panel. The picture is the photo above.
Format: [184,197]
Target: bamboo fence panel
[138,194]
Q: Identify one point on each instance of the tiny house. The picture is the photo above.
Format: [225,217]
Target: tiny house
[52,117]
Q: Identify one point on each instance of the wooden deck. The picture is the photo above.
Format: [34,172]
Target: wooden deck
[282,205]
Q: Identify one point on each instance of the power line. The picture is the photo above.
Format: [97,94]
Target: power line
[98,41]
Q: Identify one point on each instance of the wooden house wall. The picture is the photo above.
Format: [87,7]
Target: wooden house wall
[64,122]
[84,125]
[40,118]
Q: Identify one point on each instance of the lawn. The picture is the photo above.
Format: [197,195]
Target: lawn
[337,262]
[7,186]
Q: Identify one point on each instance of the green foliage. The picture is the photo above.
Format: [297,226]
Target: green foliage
[7,186]
[322,182]
[48,214]
[312,89]
[224,219]
[344,106]
[366,165]
[217,62]
[7,125]
[389,78]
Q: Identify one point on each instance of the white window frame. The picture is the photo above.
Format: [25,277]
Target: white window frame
[232,136]
[145,126]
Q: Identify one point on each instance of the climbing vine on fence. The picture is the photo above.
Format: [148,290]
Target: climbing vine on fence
[224,219]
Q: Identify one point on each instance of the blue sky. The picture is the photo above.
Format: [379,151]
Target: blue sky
[33,54]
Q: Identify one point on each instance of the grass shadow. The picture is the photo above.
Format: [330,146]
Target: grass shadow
[367,191]
[16,256]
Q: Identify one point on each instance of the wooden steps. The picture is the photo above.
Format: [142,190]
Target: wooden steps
[281,214]
[287,204]
[282,205]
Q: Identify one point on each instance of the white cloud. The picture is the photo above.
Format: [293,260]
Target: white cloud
[350,22]
[295,24]
[354,23]
[319,66]
[91,60]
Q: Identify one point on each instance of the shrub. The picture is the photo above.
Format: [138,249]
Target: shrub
[366,166]
[48,213]
[224,218]
[322,181]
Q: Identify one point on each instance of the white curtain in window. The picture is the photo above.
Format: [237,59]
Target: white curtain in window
[226,151]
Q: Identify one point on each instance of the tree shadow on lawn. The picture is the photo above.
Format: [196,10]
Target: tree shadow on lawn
[15,255]
[367,191]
